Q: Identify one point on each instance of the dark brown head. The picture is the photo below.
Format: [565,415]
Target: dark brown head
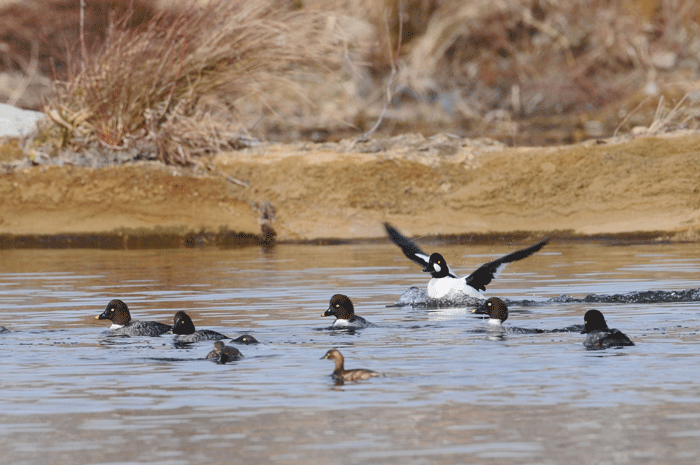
[496,309]
[117,312]
[340,307]
[594,320]
[182,324]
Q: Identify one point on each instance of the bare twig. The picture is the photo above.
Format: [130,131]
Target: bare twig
[28,75]
[168,101]
[661,122]
[662,119]
[394,68]
[83,51]
[629,115]
[560,39]
[236,181]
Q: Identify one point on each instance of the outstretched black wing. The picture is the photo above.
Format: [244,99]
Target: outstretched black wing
[486,272]
[409,248]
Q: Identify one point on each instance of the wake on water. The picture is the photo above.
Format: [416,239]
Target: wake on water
[416,297]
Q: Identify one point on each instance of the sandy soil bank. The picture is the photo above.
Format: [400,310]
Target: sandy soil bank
[644,186]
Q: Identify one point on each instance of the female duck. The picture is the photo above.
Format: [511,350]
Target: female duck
[122,325]
[224,353]
[341,374]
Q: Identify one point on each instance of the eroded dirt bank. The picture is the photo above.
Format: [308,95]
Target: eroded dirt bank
[647,185]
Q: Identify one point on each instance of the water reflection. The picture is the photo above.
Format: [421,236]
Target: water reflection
[57,359]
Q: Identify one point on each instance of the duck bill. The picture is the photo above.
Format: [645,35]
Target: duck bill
[481,309]
[429,269]
[102,316]
[328,312]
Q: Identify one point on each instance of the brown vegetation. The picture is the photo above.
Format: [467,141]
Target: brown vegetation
[39,37]
[171,87]
[53,28]
[175,82]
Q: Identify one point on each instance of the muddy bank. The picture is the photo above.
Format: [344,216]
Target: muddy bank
[635,187]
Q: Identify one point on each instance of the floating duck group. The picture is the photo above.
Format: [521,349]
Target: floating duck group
[444,284]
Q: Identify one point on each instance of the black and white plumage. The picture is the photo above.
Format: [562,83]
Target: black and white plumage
[185,332]
[444,282]
[599,335]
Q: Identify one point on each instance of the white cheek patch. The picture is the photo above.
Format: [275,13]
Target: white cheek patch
[436,267]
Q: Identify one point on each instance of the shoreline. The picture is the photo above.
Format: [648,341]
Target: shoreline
[134,240]
[440,188]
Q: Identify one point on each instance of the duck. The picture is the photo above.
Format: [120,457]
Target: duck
[341,374]
[184,330]
[343,310]
[599,335]
[245,339]
[224,353]
[4,330]
[122,325]
[444,283]
[497,310]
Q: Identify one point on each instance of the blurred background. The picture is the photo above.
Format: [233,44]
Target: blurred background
[525,72]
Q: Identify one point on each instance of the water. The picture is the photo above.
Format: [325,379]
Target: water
[450,392]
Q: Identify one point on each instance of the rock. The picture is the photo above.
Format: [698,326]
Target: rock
[15,122]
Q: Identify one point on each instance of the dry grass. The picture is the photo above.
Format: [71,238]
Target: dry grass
[514,59]
[52,25]
[172,86]
[684,114]
[37,38]
[179,83]
[555,56]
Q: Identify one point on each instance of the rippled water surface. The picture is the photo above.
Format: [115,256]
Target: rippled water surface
[450,392]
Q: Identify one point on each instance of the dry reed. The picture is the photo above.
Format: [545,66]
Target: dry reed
[171,86]
[192,81]
[540,57]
